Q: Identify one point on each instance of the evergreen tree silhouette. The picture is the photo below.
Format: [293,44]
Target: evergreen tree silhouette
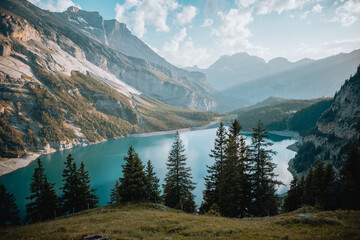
[8,208]
[264,183]
[44,201]
[178,185]
[152,184]
[133,183]
[211,194]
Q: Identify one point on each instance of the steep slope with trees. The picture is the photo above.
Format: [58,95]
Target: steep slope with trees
[336,129]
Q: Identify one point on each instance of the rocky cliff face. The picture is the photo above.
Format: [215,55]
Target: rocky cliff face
[336,129]
[60,87]
[117,36]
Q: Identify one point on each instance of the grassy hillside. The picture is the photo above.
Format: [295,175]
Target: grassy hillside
[148,221]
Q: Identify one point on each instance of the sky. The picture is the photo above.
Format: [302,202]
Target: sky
[188,33]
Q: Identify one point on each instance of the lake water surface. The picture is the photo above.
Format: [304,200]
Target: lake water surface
[104,162]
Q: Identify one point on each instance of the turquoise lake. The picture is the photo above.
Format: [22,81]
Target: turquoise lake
[104,162]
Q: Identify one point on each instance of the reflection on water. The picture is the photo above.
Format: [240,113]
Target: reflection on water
[104,162]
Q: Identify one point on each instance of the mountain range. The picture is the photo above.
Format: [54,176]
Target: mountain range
[249,79]
[65,80]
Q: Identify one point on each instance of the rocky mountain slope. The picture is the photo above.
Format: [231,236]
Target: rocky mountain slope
[60,87]
[305,79]
[118,37]
[336,129]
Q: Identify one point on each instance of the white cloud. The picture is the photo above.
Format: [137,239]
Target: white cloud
[328,48]
[269,6]
[234,29]
[233,33]
[304,15]
[187,15]
[317,8]
[54,5]
[120,9]
[245,3]
[347,13]
[182,52]
[207,22]
[138,14]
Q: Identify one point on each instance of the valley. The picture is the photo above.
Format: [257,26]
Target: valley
[255,144]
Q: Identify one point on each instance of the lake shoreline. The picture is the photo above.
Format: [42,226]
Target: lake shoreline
[12,164]
[9,165]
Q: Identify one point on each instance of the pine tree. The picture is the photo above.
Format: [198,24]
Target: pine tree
[328,180]
[133,183]
[8,208]
[263,176]
[152,184]
[293,200]
[235,188]
[178,186]
[211,194]
[70,199]
[115,195]
[350,178]
[309,191]
[318,184]
[44,201]
[351,167]
[88,198]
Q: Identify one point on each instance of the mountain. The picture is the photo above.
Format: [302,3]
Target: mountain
[304,80]
[118,37]
[61,86]
[336,129]
[111,33]
[270,111]
[230,71]
[179,88]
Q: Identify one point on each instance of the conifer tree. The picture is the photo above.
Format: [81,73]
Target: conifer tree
[44,201]
[88,198]
[211,194]
[178,185]
[235,188]
[350,178]
[133,183]
[329,175]
[263,176]
[70,198]
[309,196]
[351,167]
[8,208]
[318,184]
[115,195]
[152,184]
[328,182]
[293,199]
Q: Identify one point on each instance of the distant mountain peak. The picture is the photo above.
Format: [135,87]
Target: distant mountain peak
[73,9]
[279,60]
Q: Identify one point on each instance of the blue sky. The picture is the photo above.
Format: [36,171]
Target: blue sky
[188,33]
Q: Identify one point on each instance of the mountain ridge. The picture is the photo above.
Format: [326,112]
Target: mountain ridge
[302,82]
[336,129]
[60,88]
